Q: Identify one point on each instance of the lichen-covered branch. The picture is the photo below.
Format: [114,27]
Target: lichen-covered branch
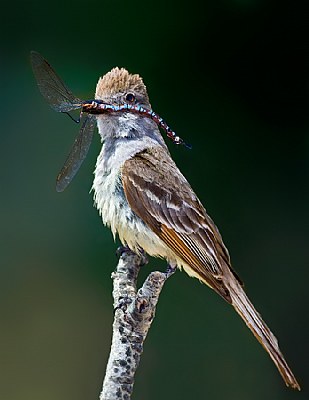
[134,313]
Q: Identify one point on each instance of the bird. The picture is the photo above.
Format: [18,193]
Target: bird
[144,198]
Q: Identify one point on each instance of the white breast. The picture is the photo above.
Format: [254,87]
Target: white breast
[116,213]
[109,196]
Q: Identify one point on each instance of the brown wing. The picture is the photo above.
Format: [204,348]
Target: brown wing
[160,195]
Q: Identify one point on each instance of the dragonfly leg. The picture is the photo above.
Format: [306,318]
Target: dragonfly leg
[77,121]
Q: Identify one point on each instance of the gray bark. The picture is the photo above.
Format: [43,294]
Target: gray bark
[134,313]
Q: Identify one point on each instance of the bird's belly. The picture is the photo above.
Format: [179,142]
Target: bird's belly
[116,213]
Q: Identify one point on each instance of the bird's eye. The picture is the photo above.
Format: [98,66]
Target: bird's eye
[130,97]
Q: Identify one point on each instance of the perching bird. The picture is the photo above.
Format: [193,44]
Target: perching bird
[141,194]
[144,198]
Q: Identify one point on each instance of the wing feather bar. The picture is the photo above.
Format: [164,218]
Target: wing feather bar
[162,198]
[180,247]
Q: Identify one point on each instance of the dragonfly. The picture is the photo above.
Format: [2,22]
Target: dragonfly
[61,99]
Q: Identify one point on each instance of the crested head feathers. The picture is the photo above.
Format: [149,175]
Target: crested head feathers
[120,81]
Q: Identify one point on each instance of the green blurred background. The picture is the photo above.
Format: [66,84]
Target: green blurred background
[230,77]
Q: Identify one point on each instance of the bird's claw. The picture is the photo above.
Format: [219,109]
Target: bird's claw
[123,250]
[170,270]
[126,250]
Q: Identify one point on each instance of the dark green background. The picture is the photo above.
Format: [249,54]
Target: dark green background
[230,77]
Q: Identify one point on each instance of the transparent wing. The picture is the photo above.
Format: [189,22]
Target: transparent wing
[77,154]
[51,86]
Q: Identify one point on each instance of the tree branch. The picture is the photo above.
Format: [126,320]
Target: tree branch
[134,313]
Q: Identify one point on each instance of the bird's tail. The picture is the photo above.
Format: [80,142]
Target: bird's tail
[255,323]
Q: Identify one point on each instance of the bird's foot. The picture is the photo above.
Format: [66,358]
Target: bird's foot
[143,255]
[123,250]
[170,270]
[126,250]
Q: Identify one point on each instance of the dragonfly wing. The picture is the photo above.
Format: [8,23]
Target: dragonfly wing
[77,154]
[51,86]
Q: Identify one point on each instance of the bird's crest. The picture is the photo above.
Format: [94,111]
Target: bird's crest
[119,80]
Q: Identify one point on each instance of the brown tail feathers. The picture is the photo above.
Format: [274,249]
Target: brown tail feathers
[252,318]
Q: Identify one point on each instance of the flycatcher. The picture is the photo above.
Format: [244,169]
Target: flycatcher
[141,194]
[144,198]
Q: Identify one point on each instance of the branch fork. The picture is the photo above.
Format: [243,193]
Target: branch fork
[134,313]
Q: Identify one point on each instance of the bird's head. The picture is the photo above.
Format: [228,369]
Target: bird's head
[120,87]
